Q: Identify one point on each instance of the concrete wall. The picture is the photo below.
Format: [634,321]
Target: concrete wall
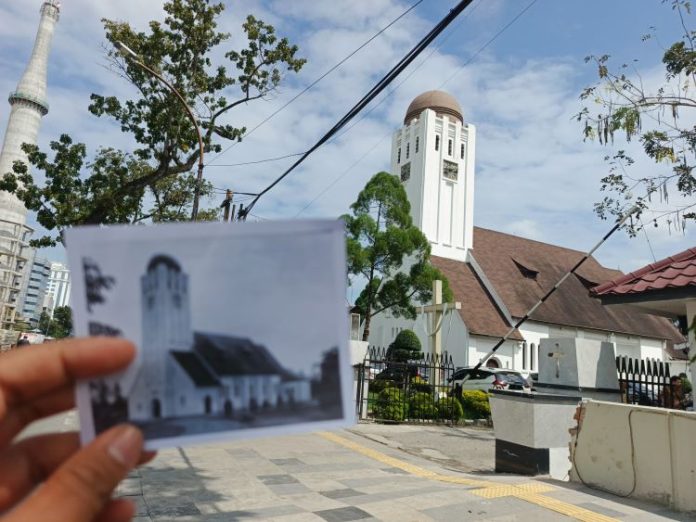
[644,452]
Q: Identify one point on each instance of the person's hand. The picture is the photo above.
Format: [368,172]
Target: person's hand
[74,484]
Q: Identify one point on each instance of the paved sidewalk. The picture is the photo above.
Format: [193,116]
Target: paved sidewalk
[341,477]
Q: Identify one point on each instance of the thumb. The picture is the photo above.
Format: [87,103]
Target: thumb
[80,489]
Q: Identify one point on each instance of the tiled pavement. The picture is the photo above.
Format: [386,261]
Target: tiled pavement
[344,477]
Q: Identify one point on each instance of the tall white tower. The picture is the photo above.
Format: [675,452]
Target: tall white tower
[434,155]
[28,107]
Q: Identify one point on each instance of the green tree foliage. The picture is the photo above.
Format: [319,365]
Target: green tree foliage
[382,243]
[405,347]
[59,326]
[154,182]
[422,406]
[661,120]
[475,404]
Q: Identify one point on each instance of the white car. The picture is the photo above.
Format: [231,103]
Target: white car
[487,378]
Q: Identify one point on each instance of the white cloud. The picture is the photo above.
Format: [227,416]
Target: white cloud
[535,176]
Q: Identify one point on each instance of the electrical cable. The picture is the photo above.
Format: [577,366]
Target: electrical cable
[373,93]
[311,85]
[256,162]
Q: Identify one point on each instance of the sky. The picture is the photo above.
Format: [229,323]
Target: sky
[535,176]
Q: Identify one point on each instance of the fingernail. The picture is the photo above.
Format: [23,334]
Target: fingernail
[127,447]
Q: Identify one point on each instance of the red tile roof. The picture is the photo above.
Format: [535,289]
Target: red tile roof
[678,271]
[500,257]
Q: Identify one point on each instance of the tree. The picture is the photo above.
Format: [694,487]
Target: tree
[44,325]
[388,252]
[61,325]
[661,120]
[405,347]
[153,182]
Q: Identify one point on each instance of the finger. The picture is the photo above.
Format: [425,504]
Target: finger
[20,417]
[80,489]
[118,510]
[31,373]
[31,461]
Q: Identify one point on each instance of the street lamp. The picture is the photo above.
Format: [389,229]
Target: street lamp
[129,53]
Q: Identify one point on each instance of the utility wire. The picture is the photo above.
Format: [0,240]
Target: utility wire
[372,94]
[267,160]
[468,62]
[311,85]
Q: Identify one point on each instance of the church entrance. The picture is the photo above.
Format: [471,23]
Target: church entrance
[493,363]
[156,409]
[208,405]
[228,408]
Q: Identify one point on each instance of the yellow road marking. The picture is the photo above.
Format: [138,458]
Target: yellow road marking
[529,491]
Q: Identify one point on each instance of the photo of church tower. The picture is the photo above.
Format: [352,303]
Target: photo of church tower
[189,380]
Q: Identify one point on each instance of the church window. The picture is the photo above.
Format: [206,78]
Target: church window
[437,142]
[408,150]
[450,146]
[524,355]
[405,172]
[450,170]
[463,149]
[398,156]
[532,356]
[417,142]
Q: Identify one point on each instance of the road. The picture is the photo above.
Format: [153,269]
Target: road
[354,475]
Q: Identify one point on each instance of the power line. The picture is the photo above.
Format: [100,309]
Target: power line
[311,85]
[468,62]
[372,94]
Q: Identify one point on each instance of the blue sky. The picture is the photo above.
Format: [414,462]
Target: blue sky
[535,176]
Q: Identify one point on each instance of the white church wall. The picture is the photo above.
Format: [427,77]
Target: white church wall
[652,349]
[185,398]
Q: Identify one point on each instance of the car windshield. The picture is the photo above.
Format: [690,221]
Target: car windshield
[511,377]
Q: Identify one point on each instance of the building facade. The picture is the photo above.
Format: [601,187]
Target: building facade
[497,277]
[33,299]
[58,286]
[29,105]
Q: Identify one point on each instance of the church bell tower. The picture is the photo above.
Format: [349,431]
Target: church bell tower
[434,155]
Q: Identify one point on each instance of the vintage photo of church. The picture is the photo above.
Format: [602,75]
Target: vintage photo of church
[195,379]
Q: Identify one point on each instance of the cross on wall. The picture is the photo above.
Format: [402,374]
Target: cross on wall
[557,355]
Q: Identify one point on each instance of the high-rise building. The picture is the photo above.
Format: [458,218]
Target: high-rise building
[33,299]
[29,105]
[59,286]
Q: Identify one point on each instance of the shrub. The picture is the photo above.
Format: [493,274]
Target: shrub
[420,385]
[405,347]
[449,408]
[475,404]
[379,385]
[390,405]
[422,406]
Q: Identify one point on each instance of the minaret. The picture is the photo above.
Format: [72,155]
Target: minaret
[28,107]
[434,155]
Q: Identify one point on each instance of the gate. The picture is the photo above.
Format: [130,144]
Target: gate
[649,383]
[416,391]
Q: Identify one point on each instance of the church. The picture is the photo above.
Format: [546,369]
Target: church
[185,373]
[498,277]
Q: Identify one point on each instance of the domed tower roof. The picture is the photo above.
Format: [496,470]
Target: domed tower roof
[439,101]
[161,259]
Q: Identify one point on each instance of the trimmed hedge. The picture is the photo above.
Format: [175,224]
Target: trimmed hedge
[420,385]
[391,405]
[475,404]
[422,406]
[450,408]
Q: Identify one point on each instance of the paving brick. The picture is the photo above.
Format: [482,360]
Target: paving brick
[343,514]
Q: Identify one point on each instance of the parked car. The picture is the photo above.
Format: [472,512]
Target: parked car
[487,378]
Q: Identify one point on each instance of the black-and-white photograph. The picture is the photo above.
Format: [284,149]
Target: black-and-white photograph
[239,329]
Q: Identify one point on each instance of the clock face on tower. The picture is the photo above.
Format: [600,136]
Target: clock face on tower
[450,170]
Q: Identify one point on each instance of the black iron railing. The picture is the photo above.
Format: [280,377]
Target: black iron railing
[649,383]
[416,390]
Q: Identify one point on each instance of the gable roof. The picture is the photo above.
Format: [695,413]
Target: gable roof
[230,356]
[499,256]
[195,368]
[677,272]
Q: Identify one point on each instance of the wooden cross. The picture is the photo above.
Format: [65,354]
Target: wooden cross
[437,310]
[557,356]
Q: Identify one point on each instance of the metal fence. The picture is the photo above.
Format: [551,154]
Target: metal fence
[416,391]
[649,383]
